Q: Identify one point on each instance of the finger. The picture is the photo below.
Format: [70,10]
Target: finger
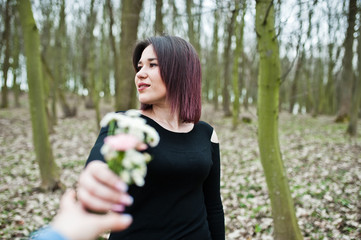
[68,199]
[104,192]
[93,203]
[103,174]
[142,147]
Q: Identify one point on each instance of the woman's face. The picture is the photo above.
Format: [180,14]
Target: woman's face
[150,85]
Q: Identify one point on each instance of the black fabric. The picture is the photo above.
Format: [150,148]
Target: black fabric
[181,196]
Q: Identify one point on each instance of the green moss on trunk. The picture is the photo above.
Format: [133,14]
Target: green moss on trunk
[48,169]
[284,218]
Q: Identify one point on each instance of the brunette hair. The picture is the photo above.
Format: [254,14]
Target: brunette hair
[180,70]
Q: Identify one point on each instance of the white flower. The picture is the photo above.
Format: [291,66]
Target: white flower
[127,162]
[129,122]
[137,132]
[133,164]
[152,136]
[108,152]
[138,175]
[110,117]
[147,157]
[132,113]
[137,157]
[138,180]
[125,176]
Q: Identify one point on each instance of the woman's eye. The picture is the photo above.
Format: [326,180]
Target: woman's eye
[153,65]
[138,68]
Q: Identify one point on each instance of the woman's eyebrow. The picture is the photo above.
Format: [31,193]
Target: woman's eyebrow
[149,60]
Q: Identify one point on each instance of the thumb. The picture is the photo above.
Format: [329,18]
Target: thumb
[68,199]
[115,221]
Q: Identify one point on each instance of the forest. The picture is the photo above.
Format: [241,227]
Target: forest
[281,84]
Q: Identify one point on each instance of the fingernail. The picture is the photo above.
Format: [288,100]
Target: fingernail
[126,199]
[127,218]
[117,208]
[122,186]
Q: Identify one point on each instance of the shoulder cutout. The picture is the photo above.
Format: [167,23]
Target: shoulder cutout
[214,138]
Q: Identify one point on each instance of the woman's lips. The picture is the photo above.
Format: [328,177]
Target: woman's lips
[143,86]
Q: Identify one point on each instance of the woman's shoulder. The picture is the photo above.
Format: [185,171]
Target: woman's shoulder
[204,126]
[210,131]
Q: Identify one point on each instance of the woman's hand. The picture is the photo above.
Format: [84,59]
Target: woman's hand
[76,223]
[101,190]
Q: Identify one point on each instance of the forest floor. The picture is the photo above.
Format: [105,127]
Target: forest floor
[323,167]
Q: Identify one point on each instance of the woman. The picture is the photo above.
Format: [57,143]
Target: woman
[181,196]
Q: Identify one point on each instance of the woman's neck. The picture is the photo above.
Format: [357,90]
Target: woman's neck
[164,117]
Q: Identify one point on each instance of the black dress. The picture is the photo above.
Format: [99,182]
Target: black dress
[181,195]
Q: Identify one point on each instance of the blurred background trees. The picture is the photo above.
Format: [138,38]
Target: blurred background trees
[86,49]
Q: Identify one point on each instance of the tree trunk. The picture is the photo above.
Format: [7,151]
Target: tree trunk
[330,85]
[48,59]
[93,86]
[48,169]
[294,85]
[235,70]
[47,74]
[321,86]
[198,31]
[300,59]
[283,213]
[330,90]
[104,63]
[347,71]
[113,47]
[227,65]
[175,23]
[93,82]
[61,65]
[215,61]
[309,101]
[15,65]
[190,21]
[194,24]
[159,26]
[318,92]
[356,95]
[86,53]
[125,95]
[6,63]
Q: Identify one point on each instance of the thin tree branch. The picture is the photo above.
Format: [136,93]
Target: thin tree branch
[267,13]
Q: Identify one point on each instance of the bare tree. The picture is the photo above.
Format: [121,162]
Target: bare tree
[283,213]
[159,26]
[356,93]
[347,71]
[48,169]
[125,95]
[214,59]
[227,62]
[6,63]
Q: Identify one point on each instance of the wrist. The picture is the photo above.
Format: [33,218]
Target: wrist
[46,233]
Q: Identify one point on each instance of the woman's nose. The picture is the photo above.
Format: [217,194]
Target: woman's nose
[141,73]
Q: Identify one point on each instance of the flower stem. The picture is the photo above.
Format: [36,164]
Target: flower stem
[111,128]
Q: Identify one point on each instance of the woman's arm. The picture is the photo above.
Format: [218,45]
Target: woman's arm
[212,195]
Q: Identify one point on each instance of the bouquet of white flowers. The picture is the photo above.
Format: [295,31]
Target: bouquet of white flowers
[127,134]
